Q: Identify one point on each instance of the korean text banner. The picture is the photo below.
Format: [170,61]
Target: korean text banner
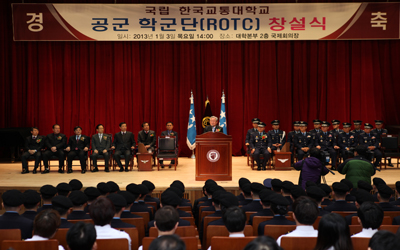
[205,22]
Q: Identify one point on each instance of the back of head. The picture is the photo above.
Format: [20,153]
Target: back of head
[263,243]
[102,211]
[361,150]
[81,236]
[384,240]
[234,219]
[306,210]
[333,231]
[167,242]
[166,218]
[315,152]
[46,223]
[370,214]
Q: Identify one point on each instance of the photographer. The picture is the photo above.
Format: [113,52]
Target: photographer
[358,168]
[311,168]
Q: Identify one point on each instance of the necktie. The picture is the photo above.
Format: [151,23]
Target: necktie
[213,129]
[325,133]
[276,132]
[304,134]
[169,132]
[77,139]
[34,137]
[100,137]
[369,135]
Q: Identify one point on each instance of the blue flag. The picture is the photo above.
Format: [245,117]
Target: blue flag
[191,131]
[222,115]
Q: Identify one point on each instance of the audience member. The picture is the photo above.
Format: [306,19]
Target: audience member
[82,236]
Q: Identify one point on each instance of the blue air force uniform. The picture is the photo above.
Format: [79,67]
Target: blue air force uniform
[260,141]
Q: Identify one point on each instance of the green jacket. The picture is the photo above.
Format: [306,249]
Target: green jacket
[357,168]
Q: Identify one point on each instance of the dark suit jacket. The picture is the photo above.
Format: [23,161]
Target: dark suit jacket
[59,141]
[209,129]
[83,142]
[326,202]
[264,212]
[254,206]
[322,212]
[139,207]
[118,223]
[126,143]
[65,223]
[105,143]
[348,218]
[147,139]
[38,143]
[341,206]
[148,198]
[78,215]
[396,220]
[396,202]
[172,133]
[10,220]
[386,206]
[45,206]
[183,213]
[128,214]
[29,214]
[245,202]
[277,220]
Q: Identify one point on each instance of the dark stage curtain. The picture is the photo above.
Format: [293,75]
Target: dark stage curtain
[86,83]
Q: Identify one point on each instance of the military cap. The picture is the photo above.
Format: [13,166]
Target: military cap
[255,120]
[103,188]
[177,191]
[367,125]
[296,123]
[261,124]
[287,185]
[363,196]
[246,188]
[170,198]
[128,196]
[315,193]
[92,193]
[347,182]
[378,122]
[265,195]
[49,190]
[62,202]
[279,200]
[149,185]
[325,124]
[346,125]
[267,183]
[340,187]
[178,184]
[132,188]
[243,181]
[113,186]
[227,200]
[357,122]
[296,191]
[276,184]
[143,189]
[303,124]
[377,181]
[327,189]
[364,185]
[317,121]
[78,198]
[63,188]
[385,190]
[256,187]
[217,195]
[13,198]
[335,122]
[118,200]
[275,122]
[31,197]
[75,184]
[210,182]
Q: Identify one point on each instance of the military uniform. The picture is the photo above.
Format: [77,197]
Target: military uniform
[327,142]
[54,140]
[371,139]
[303,140]
[261,141]
[347,142]
[32,143]
[336,131]
[77,143]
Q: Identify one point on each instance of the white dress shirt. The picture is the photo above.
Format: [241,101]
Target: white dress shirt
[366,233]
[300,231]
[40,238]
[107,232]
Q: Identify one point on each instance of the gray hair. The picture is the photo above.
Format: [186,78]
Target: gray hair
[214,117]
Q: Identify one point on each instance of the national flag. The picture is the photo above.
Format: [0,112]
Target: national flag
[191,131]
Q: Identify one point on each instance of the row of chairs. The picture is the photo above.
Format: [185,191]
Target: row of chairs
[167,150]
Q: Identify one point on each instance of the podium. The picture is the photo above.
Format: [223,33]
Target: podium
[283,159]
[144,158]
[214,157]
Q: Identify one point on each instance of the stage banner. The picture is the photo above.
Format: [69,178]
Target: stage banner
[205,22]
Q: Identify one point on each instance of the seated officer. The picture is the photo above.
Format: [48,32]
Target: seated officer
[379,131]
[255,122]
[290,137]
[336,131]
[357,130]
[260,143]
[326,142]
[278,137]
[340,191]
[303,141]
[147,137]
[370,140]
[169,132]
[79,200]
[55,144]
[317,127]
[120,205]
[101,143]
[33,147]
[347,142]
[78,145]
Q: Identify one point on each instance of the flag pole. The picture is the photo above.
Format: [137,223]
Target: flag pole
[193,155]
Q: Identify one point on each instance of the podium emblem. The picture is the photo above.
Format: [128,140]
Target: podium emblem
[213,155]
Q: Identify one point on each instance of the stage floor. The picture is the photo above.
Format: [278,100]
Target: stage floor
[11,177]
